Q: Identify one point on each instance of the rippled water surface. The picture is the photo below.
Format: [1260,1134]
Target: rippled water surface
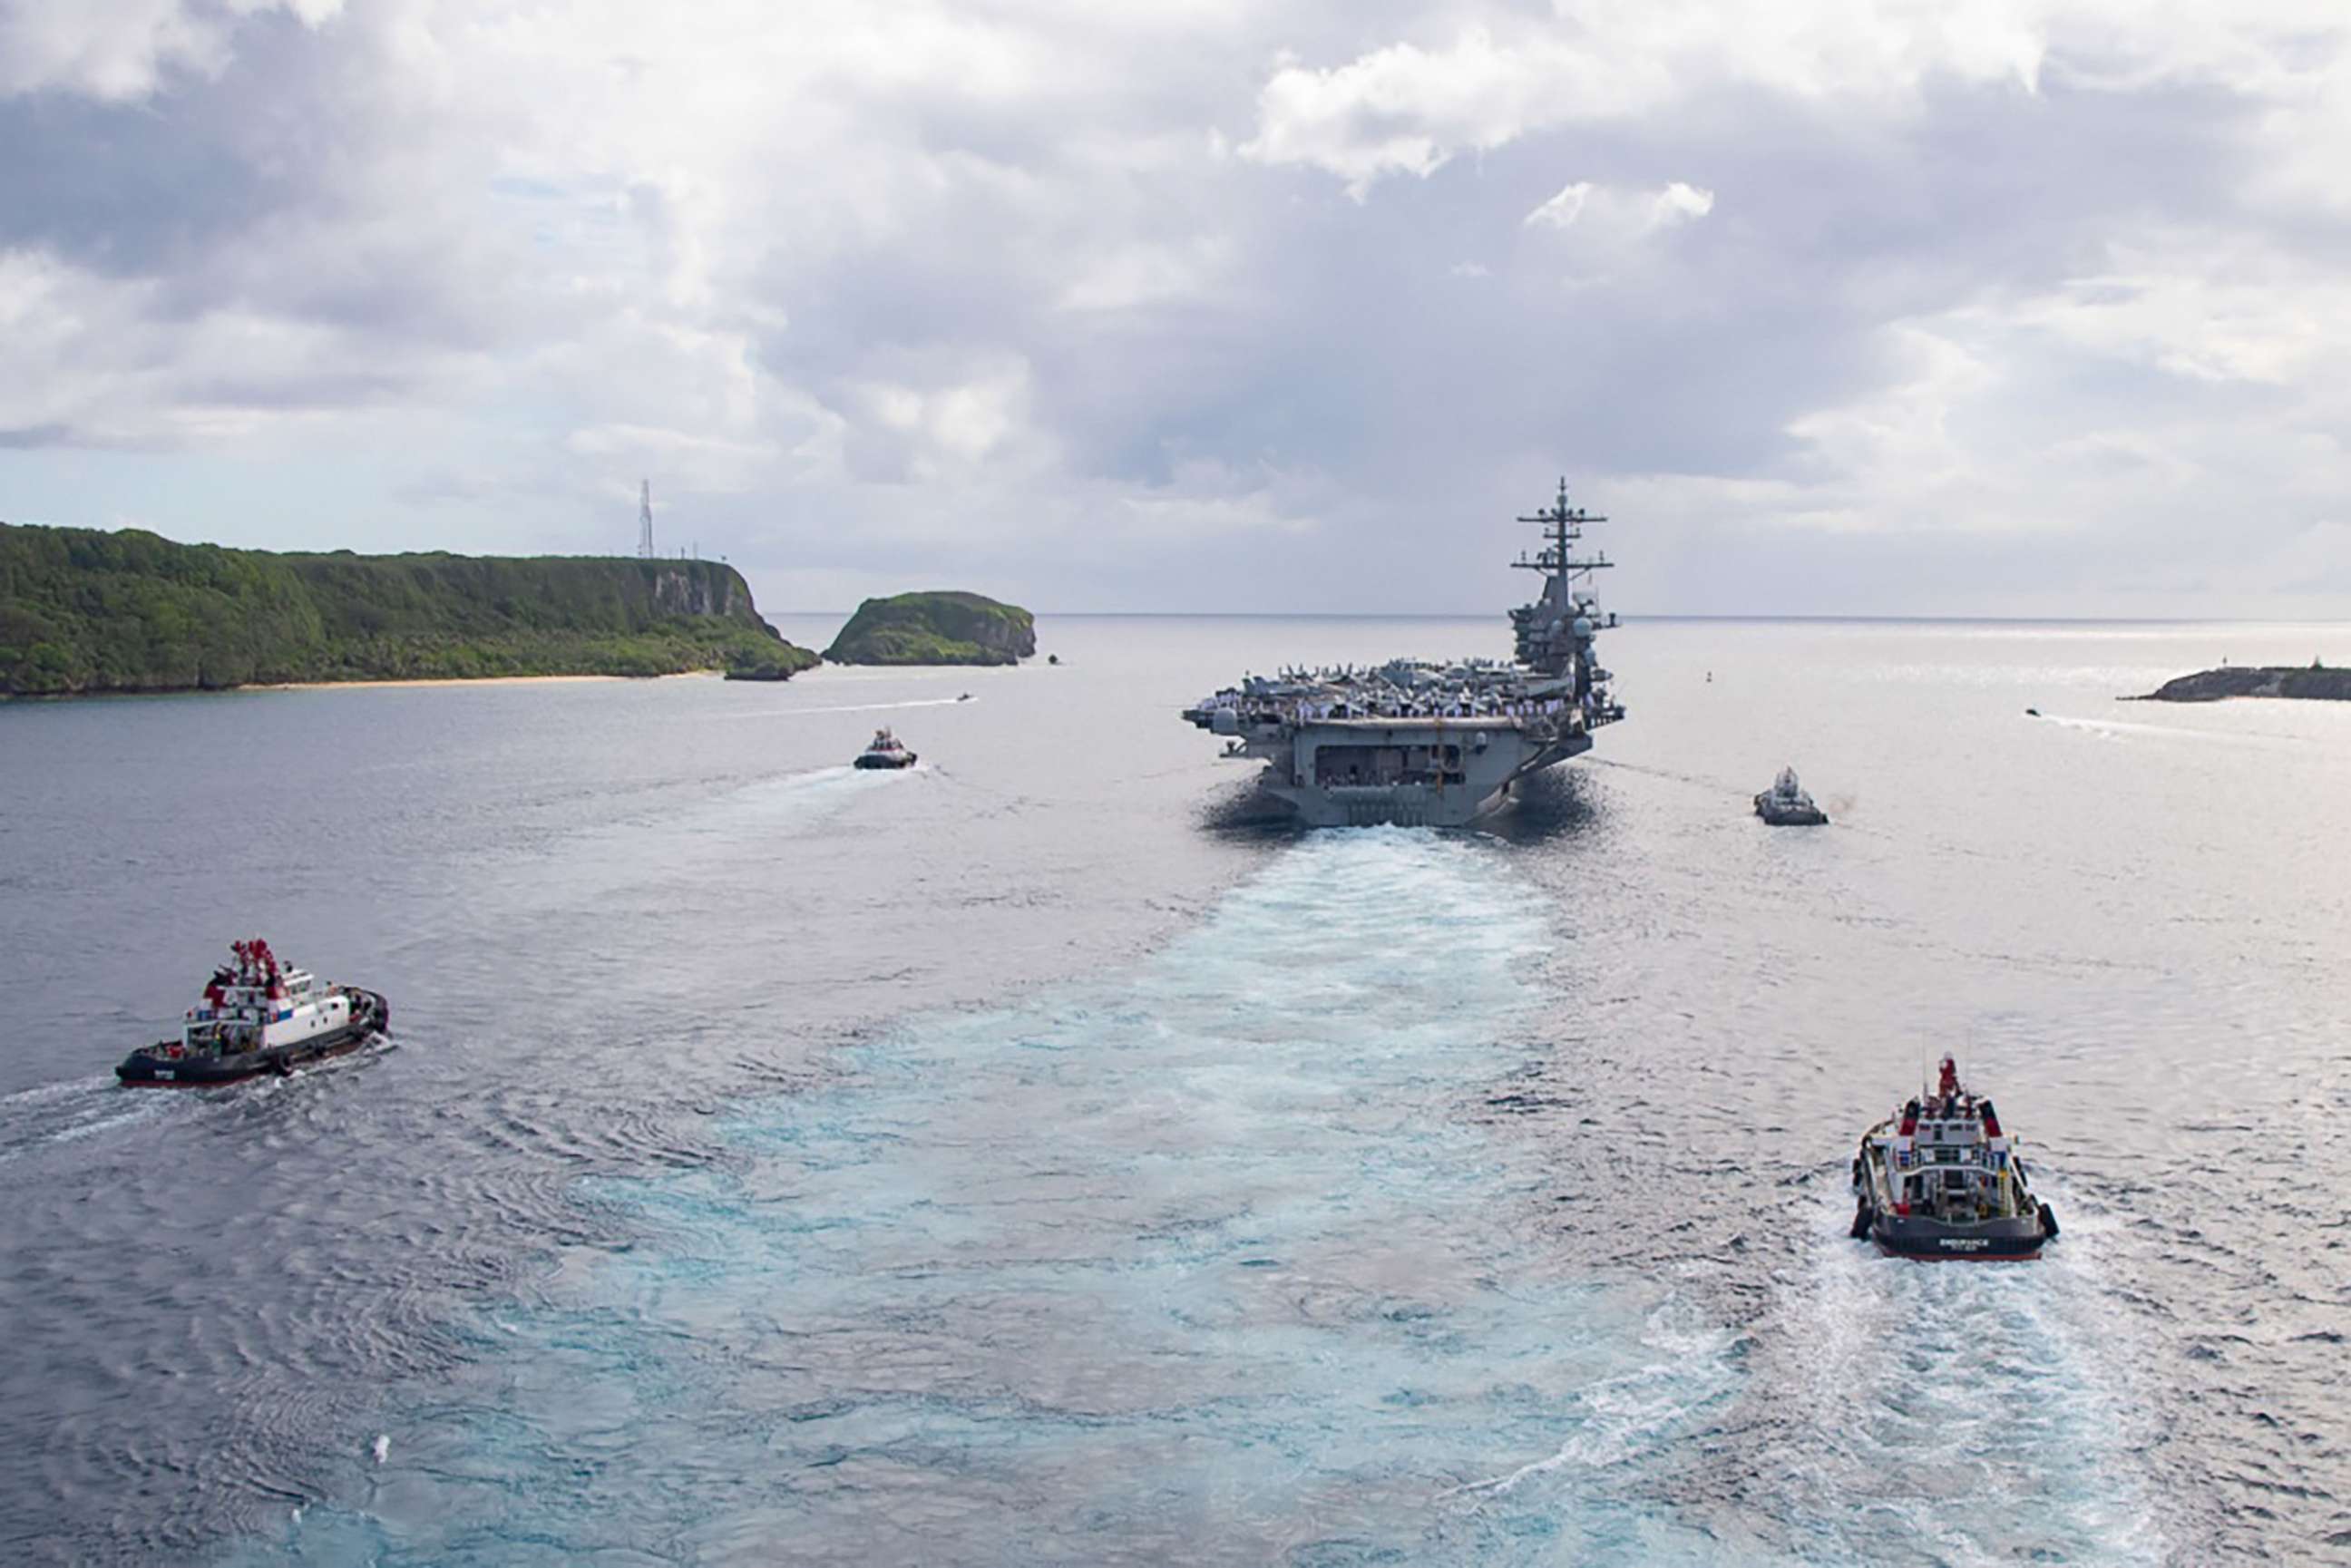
[1009,1161]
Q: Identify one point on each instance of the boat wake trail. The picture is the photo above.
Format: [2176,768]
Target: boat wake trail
[1214,1259]
[1955,1412]
[68,1112]
[2124,729]
[649,849]
[850,707]
[818,790]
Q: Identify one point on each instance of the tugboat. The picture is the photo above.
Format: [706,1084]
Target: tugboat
[885,752]
[1939,1179]
[257,1017]
[1785,804]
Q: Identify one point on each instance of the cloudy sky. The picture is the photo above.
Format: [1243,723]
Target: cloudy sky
[1835,306]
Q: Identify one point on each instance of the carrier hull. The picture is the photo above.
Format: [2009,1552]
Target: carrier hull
[1306,778]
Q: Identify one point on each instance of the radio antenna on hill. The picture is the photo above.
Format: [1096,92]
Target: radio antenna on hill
[645,519]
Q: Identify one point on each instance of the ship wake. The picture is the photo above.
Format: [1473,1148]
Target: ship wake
[1213,1260]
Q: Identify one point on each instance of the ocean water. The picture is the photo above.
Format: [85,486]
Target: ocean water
[1017,1160]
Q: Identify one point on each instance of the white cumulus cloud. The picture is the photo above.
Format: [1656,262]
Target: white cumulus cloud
[1973,291]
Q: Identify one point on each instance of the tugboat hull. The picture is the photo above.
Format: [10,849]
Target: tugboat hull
[2013,1240]
[155,1067]
[1779,816]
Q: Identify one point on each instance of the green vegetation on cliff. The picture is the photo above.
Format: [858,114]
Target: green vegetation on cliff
[82,610]
[936,628]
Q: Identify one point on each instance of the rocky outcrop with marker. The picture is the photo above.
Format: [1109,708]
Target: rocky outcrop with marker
[2313,680]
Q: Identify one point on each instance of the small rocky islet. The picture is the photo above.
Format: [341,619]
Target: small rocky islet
[936,627]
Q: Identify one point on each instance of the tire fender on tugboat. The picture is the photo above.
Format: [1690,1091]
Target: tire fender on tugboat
[2048,1223]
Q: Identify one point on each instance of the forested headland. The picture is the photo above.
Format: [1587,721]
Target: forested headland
[85,611]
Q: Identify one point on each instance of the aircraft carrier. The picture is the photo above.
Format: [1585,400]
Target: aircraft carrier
[1430,745]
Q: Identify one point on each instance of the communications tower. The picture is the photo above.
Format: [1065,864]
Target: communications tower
[645,519]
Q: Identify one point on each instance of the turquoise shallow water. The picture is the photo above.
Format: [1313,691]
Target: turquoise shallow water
[1206,1258]
[1007,1163]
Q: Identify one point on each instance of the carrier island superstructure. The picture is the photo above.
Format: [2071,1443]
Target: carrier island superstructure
[1434,745]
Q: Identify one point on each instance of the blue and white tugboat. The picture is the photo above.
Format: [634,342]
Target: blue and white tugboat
[1939,1178]
[257,1017]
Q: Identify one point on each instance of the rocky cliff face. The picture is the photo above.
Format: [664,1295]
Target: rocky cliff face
[2314,682]
[936,628]
[697,589]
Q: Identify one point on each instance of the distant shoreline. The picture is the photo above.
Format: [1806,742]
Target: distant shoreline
[89,613]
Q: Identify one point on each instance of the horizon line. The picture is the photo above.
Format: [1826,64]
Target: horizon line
[1871,619]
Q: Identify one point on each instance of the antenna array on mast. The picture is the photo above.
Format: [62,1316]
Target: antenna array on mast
[1562,527]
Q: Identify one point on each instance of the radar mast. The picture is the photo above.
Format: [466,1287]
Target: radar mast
[1554,632]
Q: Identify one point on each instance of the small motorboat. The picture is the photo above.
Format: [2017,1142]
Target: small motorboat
[2032,713]
[965,698]
[257,1016]
[886,751]
[1785,804]
[1939,1178]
